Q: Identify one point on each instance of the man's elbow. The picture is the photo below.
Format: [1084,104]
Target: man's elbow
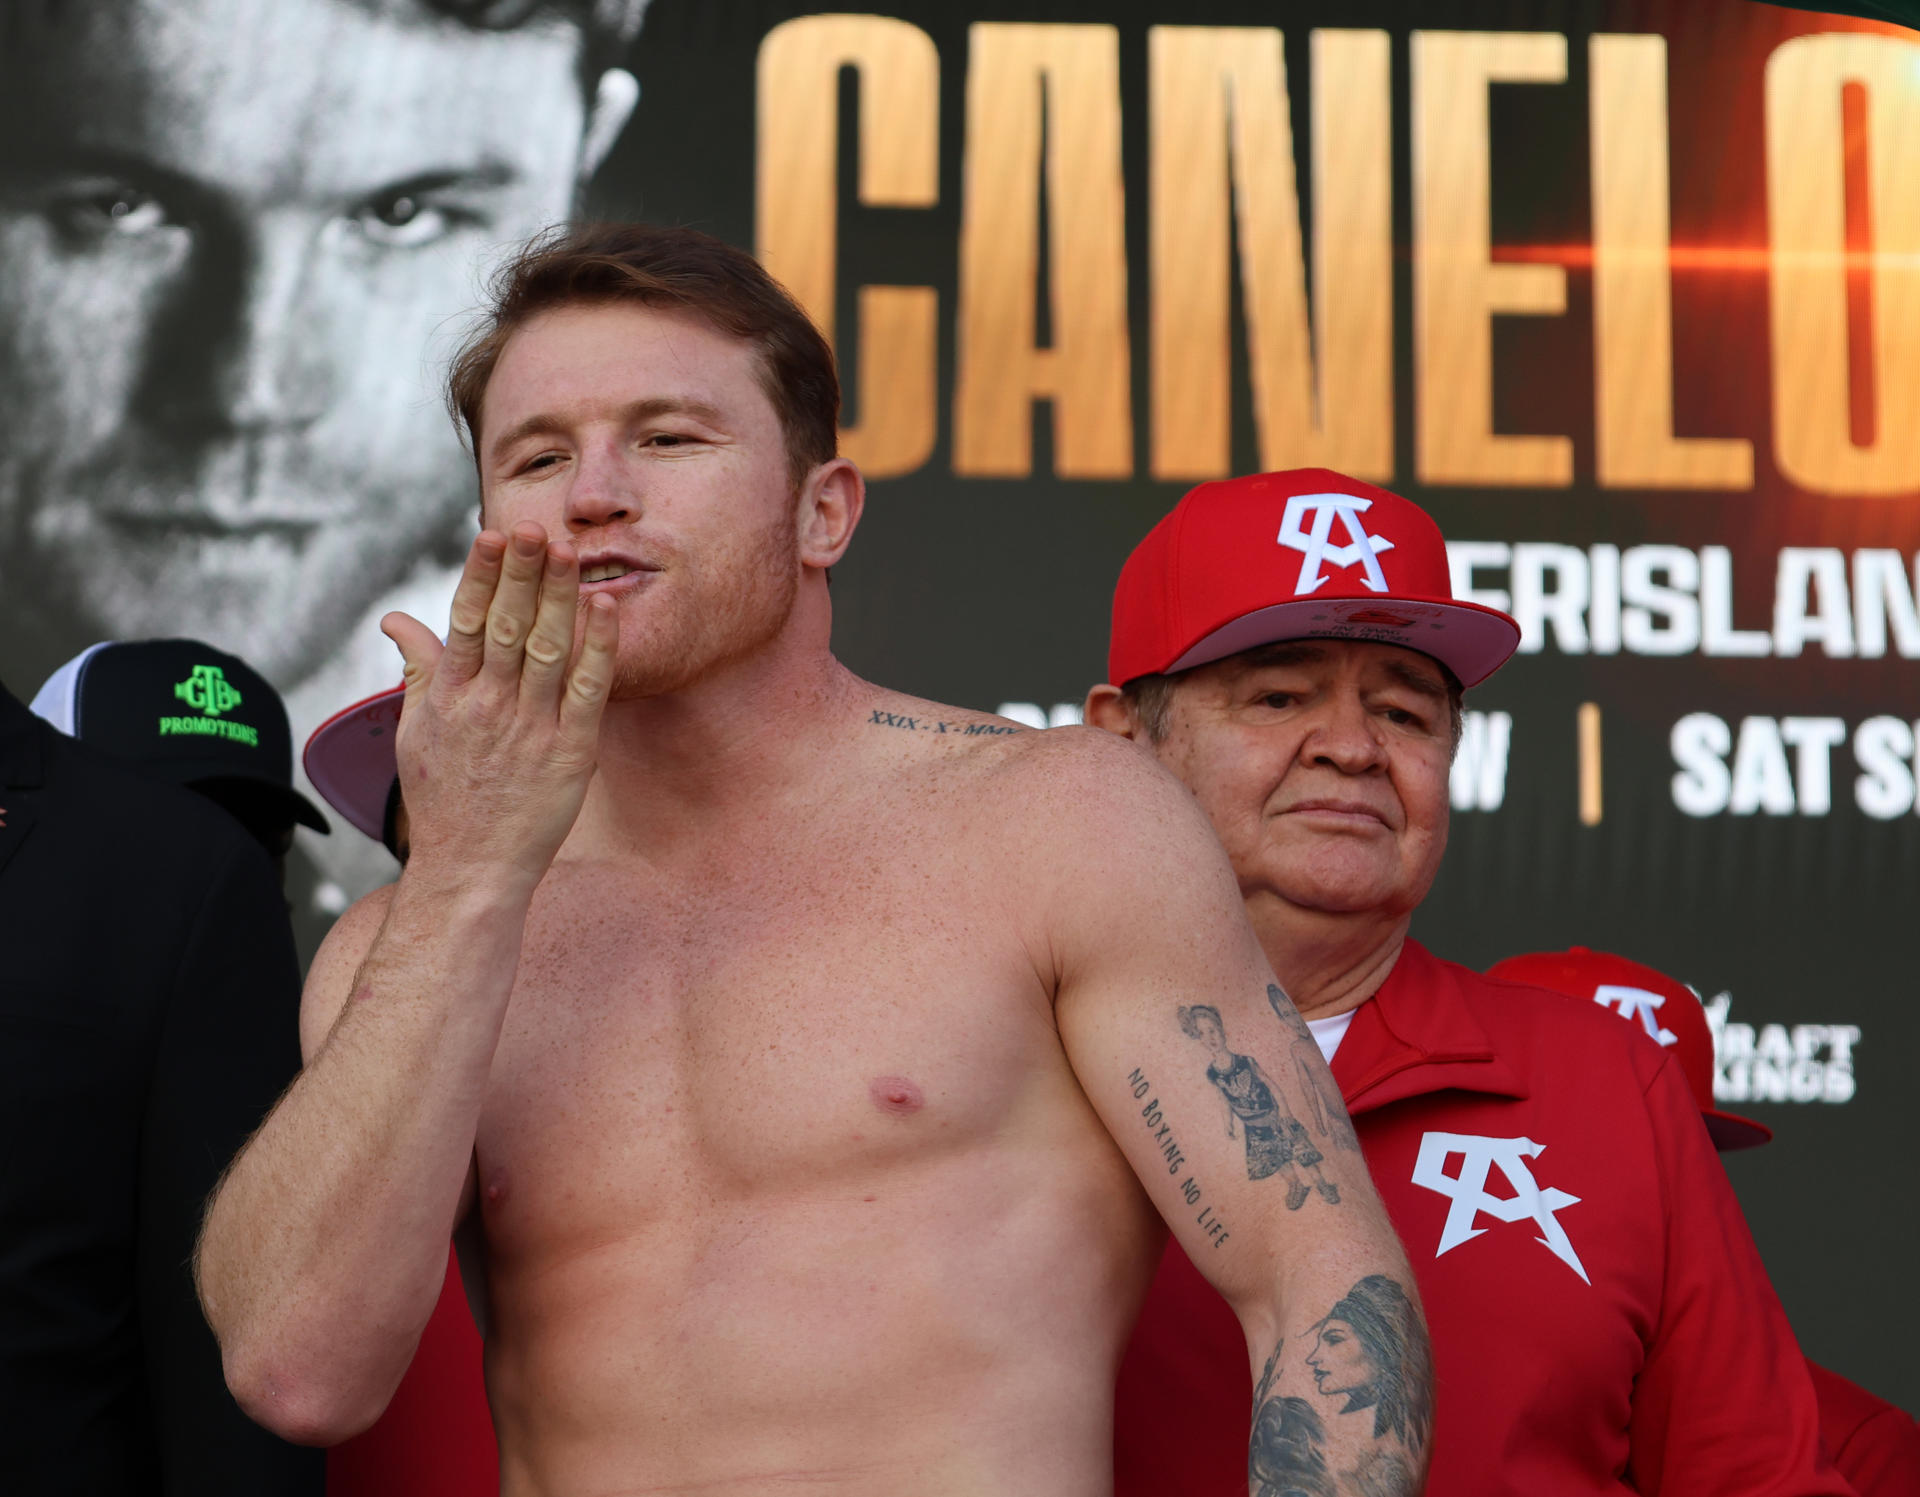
[297,1402]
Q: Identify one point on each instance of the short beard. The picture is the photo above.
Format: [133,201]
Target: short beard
[732,618]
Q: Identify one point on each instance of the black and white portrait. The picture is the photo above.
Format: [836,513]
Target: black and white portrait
[236,238]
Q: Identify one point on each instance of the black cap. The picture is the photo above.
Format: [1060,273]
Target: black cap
[187,713]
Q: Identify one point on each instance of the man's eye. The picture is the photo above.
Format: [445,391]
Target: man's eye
[402,220]
[1277,699]
[109,211]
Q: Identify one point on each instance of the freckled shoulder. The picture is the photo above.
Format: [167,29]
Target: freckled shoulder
[1103,850]
[1083,793]
[1095,774]
[1083,798]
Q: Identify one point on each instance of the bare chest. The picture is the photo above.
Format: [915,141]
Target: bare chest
[806,1025]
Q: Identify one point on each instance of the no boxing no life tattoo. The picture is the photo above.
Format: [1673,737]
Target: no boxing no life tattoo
[1155,1120]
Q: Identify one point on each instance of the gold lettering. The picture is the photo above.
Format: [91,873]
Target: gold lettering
[1019,77]
[1214,84]
[898,69]
[1806,226]
[1457,287]
[1633,283]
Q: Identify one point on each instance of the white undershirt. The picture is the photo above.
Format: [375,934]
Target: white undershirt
[1329,1032]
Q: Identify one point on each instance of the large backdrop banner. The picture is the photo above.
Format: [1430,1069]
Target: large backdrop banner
[1626,294]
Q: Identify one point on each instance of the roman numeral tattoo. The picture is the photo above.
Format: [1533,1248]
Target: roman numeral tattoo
[901,722]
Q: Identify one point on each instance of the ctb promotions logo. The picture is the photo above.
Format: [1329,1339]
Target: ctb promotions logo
[208,691]
[1316,545]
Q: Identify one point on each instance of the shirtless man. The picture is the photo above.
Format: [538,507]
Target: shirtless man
[803,1056]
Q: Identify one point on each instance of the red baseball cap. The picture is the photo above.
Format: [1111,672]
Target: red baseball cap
[1305,554]
[351,762]
[1668,1010]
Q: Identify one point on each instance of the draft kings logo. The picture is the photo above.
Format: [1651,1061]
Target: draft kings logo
[208,691]
[1780,1062]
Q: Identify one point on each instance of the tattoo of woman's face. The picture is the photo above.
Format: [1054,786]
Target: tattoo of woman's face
[1340,1362]
[1372,1350]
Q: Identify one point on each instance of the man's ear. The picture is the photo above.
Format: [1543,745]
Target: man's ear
[614,98]
[1107,708]
[831,503]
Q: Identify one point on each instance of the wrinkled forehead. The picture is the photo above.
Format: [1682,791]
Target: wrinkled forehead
[276,94]
[1366,659]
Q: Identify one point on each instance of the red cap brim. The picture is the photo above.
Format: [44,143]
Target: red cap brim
[1730,1132]
[350,759]
[1469,640]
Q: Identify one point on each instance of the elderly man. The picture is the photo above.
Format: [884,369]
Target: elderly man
[1288,645]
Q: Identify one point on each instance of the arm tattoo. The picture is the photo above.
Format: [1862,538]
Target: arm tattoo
[1206,1218]
[1379,1474]
[1324,1104]
[1372,1349]
[1369,1354]
[1266,1378]
[1277,1142]
[1287,1455]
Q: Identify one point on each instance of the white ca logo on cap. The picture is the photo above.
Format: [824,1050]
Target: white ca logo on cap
[1316,551]
[1636,1003]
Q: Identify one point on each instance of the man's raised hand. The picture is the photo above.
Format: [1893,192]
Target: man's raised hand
[500,728]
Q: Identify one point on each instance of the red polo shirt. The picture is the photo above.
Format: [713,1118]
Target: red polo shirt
[1601,1320]
[1875,1445]
[436,1437]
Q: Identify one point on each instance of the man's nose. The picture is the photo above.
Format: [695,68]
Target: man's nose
[1345,736]
[603,492]
[257,342]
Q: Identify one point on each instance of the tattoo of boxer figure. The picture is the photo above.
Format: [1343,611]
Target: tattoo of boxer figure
[1276,1141]
[1325,1108]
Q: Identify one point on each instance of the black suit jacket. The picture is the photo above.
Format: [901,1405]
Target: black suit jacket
[148,1018]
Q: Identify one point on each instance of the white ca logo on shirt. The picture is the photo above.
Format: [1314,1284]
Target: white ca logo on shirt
[1361,549]
[1468,1190]
[1636,1003]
